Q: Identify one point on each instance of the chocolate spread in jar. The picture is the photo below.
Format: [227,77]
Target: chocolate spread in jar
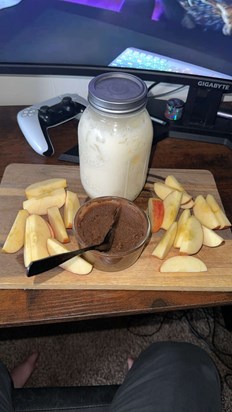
[98,217]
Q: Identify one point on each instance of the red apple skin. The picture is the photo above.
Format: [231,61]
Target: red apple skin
[156,213]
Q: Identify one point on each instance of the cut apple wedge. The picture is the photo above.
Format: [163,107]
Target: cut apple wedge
[186,198]
[40,205]
[211,238]
[183,264]
[175,184]
[44,187]
[171,208]
[37,232]
[162,190]
[181,228]
[204,213]
[15,237]
[164,245]
[217,210]
[187,205]
[155,213]
[71,207]
[57,224]
[192,237]
[76,265]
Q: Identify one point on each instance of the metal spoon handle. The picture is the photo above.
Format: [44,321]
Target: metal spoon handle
[42,265]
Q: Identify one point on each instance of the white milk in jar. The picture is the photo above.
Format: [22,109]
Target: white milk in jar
[115,135]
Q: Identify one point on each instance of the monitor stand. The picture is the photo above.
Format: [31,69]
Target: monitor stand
[204,118]
[72,155]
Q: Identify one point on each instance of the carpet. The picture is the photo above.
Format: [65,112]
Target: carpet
[95,352]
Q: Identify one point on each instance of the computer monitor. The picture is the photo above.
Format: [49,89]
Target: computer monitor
[178,42]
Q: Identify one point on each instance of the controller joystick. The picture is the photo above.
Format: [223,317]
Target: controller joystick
[43,113]
[35,121]
[67,101]
[44,109]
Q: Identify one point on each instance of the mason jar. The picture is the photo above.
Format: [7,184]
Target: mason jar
[115,136]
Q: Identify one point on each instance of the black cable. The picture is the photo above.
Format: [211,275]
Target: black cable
[152,85]
[155,96]
[146,335]
[218,353]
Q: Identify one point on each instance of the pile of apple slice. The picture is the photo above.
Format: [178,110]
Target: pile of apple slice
[42,225]
[188,223]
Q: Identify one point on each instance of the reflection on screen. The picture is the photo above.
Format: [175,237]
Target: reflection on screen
[168,35]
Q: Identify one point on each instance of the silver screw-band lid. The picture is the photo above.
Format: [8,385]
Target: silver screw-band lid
[117,92]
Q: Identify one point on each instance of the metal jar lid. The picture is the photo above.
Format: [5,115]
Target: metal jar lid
[117,92]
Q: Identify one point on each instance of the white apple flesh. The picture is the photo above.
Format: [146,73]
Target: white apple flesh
[71,207]
[44,187]
[165,243]
[40,205]
[57,224]
[217,210]
[204,213]
[211,238]
[37,232]
[183,264]
[171,208]
[76,265]
[181,227]
[192,237]
[15,238]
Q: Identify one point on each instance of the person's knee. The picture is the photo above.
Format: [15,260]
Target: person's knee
[182,356]
[168,372]
[179,350]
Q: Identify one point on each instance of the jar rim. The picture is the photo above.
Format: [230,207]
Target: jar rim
[117,92]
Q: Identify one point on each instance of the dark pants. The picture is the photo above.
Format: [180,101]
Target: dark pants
[6,388]
[170,377]
[167,377]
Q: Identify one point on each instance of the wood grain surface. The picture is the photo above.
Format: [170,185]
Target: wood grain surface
[144,274]
[21,307]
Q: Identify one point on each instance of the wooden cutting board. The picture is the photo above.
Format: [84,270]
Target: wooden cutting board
[144,274]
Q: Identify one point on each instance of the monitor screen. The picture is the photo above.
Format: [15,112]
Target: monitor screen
[76,36]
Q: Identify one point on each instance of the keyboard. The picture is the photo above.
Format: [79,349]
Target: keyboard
[134,58]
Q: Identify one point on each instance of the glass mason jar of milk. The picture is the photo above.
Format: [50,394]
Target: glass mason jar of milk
[115,135]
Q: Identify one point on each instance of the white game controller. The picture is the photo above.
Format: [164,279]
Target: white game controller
[35,120]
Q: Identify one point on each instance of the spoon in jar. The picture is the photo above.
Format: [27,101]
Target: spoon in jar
[42,265]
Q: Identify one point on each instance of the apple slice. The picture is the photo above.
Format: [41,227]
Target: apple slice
[181,227]
[175,184]
[183,264]
[217,210]
[211,238]
[44,187]
[71,207]
[171,208]
[155,213]
[162,190]
[37,231]
[76,265]
[188,205]
[57,224]
[164,245]
[192,238]
[204,213]
[15,237]
[40,205]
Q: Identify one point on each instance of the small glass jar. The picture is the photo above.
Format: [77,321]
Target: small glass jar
[115,135]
